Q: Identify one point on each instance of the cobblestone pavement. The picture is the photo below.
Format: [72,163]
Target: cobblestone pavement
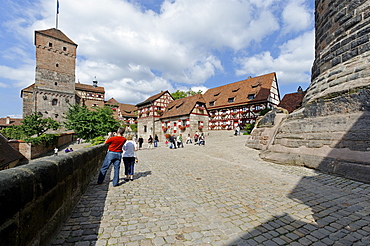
[220,194]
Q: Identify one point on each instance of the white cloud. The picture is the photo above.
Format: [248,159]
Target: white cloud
[135,52]
[22,76]
[296,16]
[292,65]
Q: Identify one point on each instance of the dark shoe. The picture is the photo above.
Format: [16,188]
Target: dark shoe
[132,179]
[99,183]
[127,180]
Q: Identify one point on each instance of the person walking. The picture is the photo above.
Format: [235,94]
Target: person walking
[173,142]
[179,142]
[114,156]
[156,140]
[128,158]
[55,151]
[150,142]
[140,141]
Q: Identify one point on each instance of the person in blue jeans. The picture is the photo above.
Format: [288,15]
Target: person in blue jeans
[129,158]
[156,139]
[113,156]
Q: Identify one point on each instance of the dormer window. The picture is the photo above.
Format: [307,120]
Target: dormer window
[236,90]
[256,84]
[251,96]
[217,94]
[231,99]
[212,103]
[178,106]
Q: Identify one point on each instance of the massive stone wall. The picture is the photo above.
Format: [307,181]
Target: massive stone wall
[330,133]
[36,198]
[342,47]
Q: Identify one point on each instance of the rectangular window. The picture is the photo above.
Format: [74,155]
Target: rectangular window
[212,103]
[145,128]
[251,96]
[230,100]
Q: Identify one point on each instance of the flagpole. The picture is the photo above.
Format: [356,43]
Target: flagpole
[57,15]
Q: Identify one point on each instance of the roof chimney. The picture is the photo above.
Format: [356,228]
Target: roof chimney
[300,90]
[249,77]
[7,121]
[95,82]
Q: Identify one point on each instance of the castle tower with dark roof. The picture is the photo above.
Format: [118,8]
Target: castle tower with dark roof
[54,86]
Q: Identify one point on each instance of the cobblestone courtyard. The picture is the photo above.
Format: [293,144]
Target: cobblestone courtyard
[220,194]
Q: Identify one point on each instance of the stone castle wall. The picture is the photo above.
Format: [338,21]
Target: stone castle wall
[342,49]
[36,198]
[330,133]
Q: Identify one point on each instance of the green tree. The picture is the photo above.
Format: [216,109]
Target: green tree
[181,94]
[34,124]
[89,124]
[13,132]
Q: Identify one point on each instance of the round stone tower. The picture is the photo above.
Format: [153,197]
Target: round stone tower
[331,131]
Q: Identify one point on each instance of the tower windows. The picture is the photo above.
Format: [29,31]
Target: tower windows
[64,48]
[50,44]
[57,65]
[54,102]
[56,83]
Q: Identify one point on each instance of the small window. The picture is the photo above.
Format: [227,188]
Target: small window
[258,107]
[212,103]
[50,44]
[230,100]
[64,48]
[54,102]
[145,128]
[57,65]
[94,105]
[236,90]
[56,83]
[251,96]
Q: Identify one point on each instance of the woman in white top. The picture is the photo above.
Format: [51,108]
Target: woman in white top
[128,157]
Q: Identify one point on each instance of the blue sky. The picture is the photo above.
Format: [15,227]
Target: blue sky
[137,48]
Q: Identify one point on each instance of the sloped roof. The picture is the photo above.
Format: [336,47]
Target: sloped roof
[152,98]
[57,34]
[112,101]
[258,86]
[292,101]
[7,153]
[128,110]
[84,87]
[182,106]
[13,122]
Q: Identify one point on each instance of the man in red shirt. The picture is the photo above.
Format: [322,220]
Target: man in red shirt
[113,156]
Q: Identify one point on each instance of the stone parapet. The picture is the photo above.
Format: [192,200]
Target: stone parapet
[36,198]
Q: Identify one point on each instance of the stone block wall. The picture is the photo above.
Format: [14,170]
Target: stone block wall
[36,198]
[331,132]
[342,49]
[30,151]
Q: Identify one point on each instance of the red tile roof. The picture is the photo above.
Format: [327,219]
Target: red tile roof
[182,106]
[152,99]
[239,91]
[128,110]
[112,101]
[56,33]
[292,101]
[12,121]
[84,87]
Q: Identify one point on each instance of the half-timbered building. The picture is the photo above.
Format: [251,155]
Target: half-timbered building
[90,95]
[241,102]
[185,116]
[149,113]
